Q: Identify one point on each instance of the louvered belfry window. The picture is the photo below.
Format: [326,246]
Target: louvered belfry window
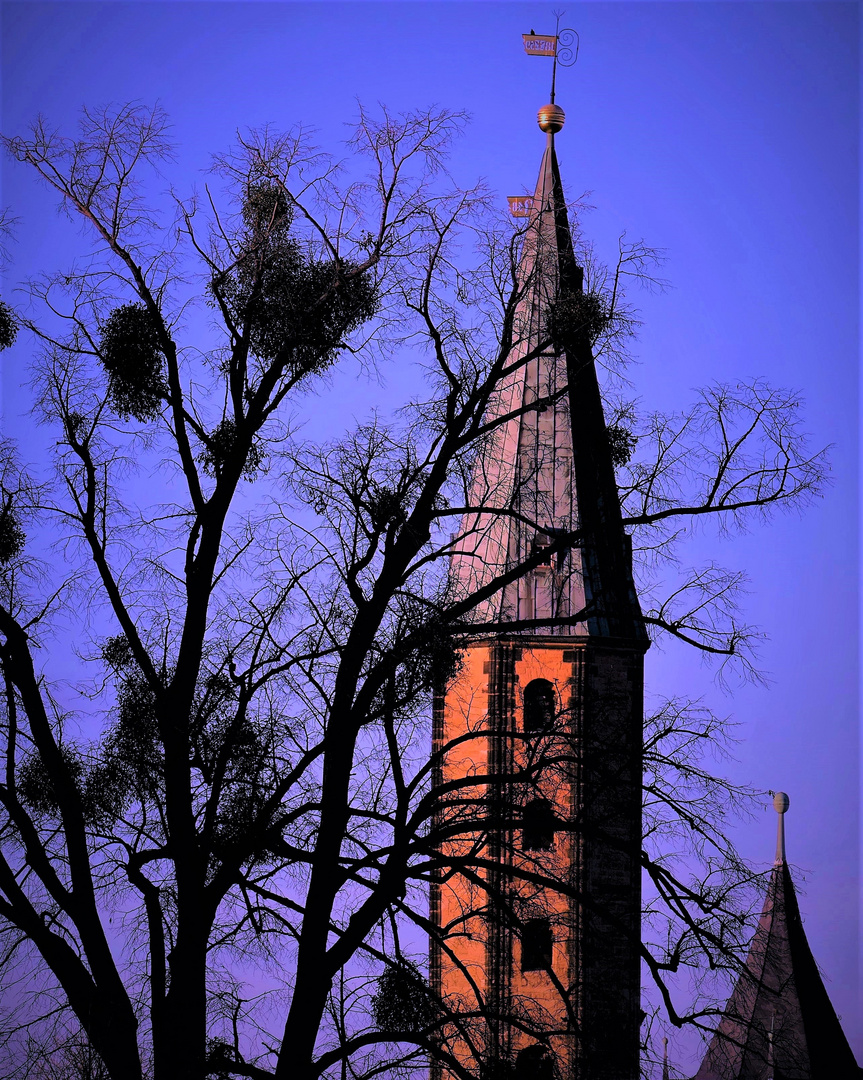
[536,942]
[538,706]
[538,825]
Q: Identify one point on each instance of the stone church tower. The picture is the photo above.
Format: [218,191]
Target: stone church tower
[537,741]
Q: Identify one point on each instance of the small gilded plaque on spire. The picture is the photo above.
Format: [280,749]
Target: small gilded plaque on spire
[540,44]
[519,205]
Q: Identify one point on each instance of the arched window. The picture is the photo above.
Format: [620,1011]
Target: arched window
[534,1063]
[538,822]
[536,942]
[538,706]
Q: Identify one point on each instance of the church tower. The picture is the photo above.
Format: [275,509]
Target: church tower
[537,741]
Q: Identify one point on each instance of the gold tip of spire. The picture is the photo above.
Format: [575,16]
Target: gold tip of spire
[551,118]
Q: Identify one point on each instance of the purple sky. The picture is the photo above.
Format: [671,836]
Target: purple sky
[725,133]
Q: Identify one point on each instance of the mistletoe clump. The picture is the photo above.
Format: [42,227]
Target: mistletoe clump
[131,753]
[403,1001]
[132,358]
[576,317]
[221,1059]
[36,787]
[221,445]
[12,536]
[386,507]
[295,309]
[100,787]
[266,208]
[429,652]
[438,658]
[621,444]
[117,652]
[8,326]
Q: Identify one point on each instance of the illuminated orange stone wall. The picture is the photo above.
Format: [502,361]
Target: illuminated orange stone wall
[592,986]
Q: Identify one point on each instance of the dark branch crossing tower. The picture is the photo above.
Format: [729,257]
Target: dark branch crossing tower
[543,726]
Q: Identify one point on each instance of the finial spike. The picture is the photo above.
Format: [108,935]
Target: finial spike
[781,803]
[554,63]
[664,1058]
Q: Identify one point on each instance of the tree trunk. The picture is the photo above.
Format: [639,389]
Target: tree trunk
[180,1046]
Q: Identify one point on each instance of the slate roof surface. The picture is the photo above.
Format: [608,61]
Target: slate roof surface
[779,1023]
[551,465]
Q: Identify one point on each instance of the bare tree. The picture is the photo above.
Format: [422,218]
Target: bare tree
[51,1051]
[214,842]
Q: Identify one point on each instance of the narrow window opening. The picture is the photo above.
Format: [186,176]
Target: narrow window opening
[540,547]
[538,706]
[541,543]
[538,825]
[536,942]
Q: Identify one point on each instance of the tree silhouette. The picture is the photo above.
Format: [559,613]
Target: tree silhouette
[213,844]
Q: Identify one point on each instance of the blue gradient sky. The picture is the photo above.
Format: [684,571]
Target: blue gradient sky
[725,133]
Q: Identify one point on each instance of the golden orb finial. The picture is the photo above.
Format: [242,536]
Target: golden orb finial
[551,118]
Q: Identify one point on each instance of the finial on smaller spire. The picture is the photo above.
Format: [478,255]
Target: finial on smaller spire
[781,803]
[665,1058]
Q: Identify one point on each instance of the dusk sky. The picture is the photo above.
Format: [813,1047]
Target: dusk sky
[726,134]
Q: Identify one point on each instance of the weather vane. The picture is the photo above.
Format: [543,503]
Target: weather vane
[562,48]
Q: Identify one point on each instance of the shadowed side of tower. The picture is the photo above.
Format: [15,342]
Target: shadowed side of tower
[537,742]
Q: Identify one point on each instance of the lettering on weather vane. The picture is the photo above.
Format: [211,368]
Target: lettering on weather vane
[540,44]
[562,48]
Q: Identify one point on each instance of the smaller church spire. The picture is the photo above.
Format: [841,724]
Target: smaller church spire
[779,1023]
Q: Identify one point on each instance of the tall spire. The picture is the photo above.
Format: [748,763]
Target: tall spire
[779,1023]
[556,653]
[547,469]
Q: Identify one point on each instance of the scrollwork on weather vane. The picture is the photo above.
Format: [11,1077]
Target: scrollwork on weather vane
[567,47]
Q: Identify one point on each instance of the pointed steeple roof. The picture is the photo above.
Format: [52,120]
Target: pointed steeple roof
[548,467]
[779,1023]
